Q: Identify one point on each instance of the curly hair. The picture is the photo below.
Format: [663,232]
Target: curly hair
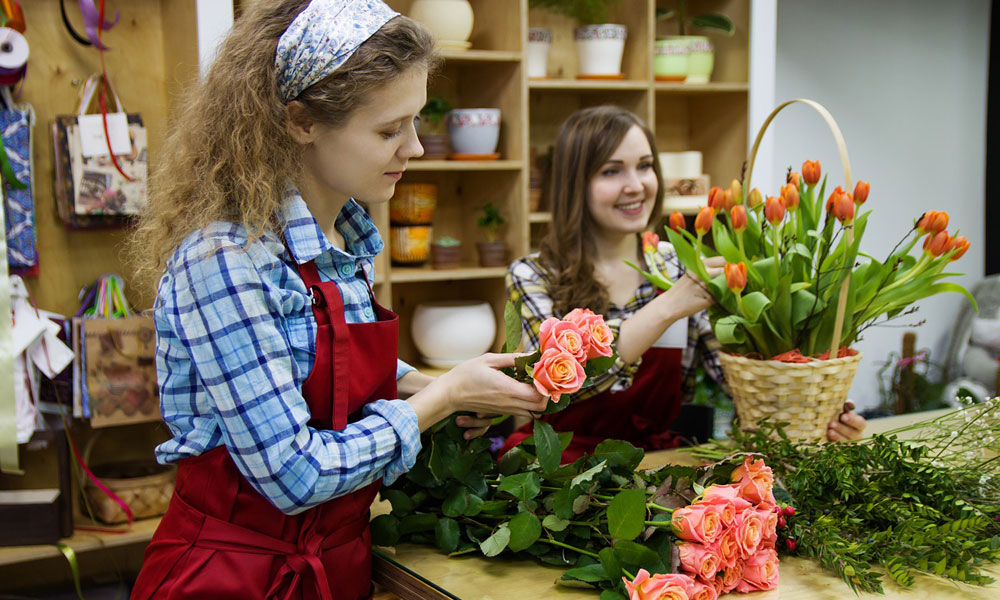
[230,156]
[586,141]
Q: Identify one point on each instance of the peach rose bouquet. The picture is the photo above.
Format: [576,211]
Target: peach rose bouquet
[570,351]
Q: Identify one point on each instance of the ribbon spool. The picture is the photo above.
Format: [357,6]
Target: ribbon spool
[13,56]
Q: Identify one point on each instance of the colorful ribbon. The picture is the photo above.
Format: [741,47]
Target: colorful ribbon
[74,567]
[94,23]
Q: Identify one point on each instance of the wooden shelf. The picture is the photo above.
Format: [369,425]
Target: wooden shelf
[587,84]
[540,217]
[82,541]
[464,165]
[472,56]
[665,87]
[414,274]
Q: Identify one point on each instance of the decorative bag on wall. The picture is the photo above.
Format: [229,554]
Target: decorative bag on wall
[19,203]
[92,187]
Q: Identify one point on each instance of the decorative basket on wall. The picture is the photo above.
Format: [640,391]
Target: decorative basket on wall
[144,485]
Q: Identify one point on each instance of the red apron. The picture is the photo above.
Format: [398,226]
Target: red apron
[639,415]
[222,539]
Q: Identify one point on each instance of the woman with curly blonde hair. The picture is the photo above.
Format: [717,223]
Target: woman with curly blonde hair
[278,372]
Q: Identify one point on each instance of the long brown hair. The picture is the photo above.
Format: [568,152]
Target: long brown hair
[586,140]
[230,156]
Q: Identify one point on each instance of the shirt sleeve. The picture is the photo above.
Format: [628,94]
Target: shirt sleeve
[228,320]
[528,283]
[402,369]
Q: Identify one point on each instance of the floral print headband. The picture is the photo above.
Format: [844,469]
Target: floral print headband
[321,38]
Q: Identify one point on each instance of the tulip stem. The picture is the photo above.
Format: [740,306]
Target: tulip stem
[739,241]
[777,260]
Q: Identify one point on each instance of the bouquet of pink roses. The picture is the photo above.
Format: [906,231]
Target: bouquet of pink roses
[570,351]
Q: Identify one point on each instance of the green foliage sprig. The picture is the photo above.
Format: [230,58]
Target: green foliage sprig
[587,12]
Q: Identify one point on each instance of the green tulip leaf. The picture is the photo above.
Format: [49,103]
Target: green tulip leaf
[804,305]
[525,530]
[656,279]
[626,514]
[729,331]
[717,21]
[754,304]
[724,244]
[687,255]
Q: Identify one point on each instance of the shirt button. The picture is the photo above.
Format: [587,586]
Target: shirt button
[368,312]
[346,270]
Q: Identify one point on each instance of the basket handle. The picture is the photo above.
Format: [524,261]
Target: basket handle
[845,161]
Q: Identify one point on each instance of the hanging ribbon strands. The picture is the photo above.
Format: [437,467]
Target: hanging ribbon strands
[13,17]
[13,67]
[93,22]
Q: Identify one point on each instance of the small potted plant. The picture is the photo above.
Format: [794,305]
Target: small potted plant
[600,45]
[433,131]
[687,58]
[492,252]
[446,252]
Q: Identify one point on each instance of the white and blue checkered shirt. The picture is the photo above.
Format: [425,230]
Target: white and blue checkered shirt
[236,339]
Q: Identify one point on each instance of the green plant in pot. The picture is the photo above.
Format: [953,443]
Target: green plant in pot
[446,253]
[433,133]
[600,45]
[492,252]
[683,57]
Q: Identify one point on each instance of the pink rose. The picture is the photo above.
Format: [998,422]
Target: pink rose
[557,372]
[728,548]
[601,338]
[565,335]
[760,572]
[731,578]
[726,498]
[769,517]
[755,480]
[699,591]
[697,523]
[662,586]
[700,560]
[749,532]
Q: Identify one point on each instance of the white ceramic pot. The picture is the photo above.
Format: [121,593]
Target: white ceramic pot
[539,42]
[600,48]
[450,21]
[449,332]
[701,61]
[474,130]
[671,57]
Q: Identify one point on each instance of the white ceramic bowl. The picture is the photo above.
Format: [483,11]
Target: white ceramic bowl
[449,332]
[474,130]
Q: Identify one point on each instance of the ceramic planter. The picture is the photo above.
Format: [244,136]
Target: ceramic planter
[450,21]
[599,49]
[436,146]
[492,254]
[539,42]
[701,61]
[449,332]
[474,131]
[413,204]
[671,57]
[445,257]
[409,244]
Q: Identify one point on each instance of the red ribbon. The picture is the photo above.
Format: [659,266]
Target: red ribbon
[105,84]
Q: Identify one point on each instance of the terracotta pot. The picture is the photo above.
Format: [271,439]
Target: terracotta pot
[445,257]
[413,204]
[436,146]
[410,244]
[492,254]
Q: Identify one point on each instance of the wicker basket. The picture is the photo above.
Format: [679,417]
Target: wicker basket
[807,396]
[145,486]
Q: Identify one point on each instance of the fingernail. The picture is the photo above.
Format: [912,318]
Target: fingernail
[844,418]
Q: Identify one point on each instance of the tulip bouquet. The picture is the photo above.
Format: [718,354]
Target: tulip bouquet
[570,351]
[787,261]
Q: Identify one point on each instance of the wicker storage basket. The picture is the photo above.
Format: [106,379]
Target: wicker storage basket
[807,396]
[145,486]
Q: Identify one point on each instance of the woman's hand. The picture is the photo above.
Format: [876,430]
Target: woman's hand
[476,386]
[688,295]
[477,425]
[848,426]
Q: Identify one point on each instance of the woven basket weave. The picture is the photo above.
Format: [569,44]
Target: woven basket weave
[145,486]
[807,396]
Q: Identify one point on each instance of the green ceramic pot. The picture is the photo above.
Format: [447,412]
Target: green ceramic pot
[701,61]
[670,58]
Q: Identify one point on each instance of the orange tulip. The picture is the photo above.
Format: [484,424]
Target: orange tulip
[677,221]
[833,196]
[843,207]
[755,198]
[790,196]
[774,210]
[960,244]
[794,179]
[938,243]
[738,214]
[650,241]
[933,221]
[703,222]
[861,192]
[728,201]
[736,276]
[716,201]
[736,188]
[811,172]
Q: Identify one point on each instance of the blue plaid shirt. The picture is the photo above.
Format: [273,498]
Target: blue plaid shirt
[236,339]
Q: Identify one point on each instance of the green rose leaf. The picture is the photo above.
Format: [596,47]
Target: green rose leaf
[618,453]
[591,574]
[635,555]
[626,514]
[457,502]
[496,543]
[524,531]
[589,474]
[446,535]
[522,486]
[562,502]
[580,504]
[600,364]
[612,595]
[513,461]
[512,323]
[417,523]
[474,507]
[612,566]
[547,446]
[493,507]
[554,523]
[385,530]
[402,505]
